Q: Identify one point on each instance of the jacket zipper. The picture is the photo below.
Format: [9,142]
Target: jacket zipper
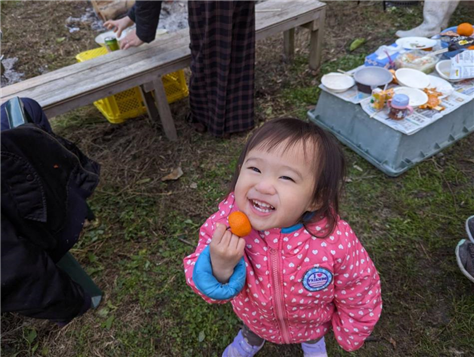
[277,284]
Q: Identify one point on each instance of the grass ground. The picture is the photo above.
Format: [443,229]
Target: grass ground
[410,225]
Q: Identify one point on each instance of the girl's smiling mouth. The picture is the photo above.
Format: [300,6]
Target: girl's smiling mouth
[261,206]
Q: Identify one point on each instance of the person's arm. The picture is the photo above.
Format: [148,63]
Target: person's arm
[216,270]
[146,16]
[358,295]
[33,285]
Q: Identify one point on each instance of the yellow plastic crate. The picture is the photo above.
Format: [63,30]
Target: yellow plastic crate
[128,104]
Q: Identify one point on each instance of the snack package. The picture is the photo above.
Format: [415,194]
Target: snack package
[418,59]
[462,65]
[380,98]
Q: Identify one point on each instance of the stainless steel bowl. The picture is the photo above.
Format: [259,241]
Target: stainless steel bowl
[368,78]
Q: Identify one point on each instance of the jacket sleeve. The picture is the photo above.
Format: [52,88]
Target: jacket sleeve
[358,295]
[146,15]
[33,285]
[198,269]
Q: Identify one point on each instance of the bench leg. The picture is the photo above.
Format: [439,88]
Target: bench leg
[164,109]
[316,41]
[289,44]
[149,103]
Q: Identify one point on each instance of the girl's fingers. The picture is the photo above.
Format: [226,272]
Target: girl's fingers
[241,246]
[226,239]
[218,233]
[234,244]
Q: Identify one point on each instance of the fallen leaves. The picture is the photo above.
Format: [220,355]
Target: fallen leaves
[174,175]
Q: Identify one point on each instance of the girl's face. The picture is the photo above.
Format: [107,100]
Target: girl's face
[275,188]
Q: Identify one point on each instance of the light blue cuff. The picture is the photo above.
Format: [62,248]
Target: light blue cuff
[207,283]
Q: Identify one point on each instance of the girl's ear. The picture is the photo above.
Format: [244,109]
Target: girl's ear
[314,206]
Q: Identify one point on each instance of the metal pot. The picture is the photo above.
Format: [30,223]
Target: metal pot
[368,78]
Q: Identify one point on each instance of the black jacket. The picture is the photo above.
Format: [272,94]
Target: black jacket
[45,182]
[146,15]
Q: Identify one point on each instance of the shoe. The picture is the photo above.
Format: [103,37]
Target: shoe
[241,348]
[195,124]
[470,228]
[315,349]
[465,258]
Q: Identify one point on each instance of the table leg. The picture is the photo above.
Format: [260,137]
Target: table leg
[289,44]
[316,41]
[149,103]
[164,109]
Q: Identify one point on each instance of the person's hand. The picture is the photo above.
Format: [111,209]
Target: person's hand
[131,40]
[226,250]
[118,25]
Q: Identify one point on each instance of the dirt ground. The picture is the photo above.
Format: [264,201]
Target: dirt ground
[415,220]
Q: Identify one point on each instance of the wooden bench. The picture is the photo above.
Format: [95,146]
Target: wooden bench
[80,84]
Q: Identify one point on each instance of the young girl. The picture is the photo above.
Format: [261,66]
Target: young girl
[301,270]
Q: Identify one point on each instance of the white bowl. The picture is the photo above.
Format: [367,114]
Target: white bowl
[412,78]
[443,68]
[337,82]
[441,86]
[417,97]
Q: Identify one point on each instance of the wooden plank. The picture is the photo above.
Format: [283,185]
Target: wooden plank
[53,108]
[149,103]
[276,28]
[109,61]
[98,77]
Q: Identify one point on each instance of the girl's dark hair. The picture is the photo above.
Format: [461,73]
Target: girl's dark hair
[329,163]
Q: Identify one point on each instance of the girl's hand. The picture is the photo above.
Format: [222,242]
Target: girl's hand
[131,40]
[226,250]
[118,25]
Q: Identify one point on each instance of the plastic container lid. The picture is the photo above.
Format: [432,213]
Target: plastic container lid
[400,100]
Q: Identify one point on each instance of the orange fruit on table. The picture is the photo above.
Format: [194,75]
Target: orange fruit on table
[465,29]
[239,224]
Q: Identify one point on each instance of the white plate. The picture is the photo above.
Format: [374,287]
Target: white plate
[417,96]
[412,78]
[441,86]
[337,82]
[416,43]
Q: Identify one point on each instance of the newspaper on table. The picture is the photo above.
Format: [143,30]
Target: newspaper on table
[462,65]
[463,93]
[352,95]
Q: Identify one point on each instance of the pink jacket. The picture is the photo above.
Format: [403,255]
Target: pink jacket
[298,285]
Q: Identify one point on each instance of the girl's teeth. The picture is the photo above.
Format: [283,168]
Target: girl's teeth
[262,207]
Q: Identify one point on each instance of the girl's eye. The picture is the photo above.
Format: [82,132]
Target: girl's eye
[287,178]
[254,169]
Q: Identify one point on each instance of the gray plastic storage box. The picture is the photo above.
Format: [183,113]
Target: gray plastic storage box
[389,150]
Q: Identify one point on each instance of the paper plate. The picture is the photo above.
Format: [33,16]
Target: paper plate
[416,43]
[441,86]
[417,97]
[412,78]
[337,82]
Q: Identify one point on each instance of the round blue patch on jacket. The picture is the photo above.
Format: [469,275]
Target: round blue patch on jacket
[317,279]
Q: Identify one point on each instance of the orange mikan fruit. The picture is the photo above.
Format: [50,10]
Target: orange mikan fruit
[239,224]
[465,29]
